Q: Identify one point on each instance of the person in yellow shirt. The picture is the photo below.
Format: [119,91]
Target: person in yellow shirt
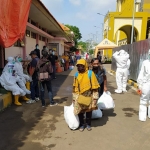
[87,86]
[66,59]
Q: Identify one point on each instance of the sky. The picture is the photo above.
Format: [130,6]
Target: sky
[83,14]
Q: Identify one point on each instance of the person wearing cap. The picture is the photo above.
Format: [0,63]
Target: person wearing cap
[44,66]
[85,85]
[34,88]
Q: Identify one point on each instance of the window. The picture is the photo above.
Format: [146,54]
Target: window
[33,35]
[43,29]
[32,22]
[17,44]
[27,33]
[40,38]
[43,39]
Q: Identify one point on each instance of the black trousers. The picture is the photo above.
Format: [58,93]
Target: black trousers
[88,118]
[101,89]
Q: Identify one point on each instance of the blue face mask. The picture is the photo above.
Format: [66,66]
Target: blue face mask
[13,62]
[20,59]
[37,47]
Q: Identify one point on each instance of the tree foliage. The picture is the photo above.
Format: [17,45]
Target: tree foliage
[91,52]
[83,45]
[76,31]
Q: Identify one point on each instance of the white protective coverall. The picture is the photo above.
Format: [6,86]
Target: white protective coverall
[121,58]
[144,85]
[23,77]
[128,66]
[9,79]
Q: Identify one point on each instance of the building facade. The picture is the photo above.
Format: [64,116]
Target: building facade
[118,25]
[43,29]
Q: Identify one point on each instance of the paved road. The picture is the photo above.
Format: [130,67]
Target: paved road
[31,127]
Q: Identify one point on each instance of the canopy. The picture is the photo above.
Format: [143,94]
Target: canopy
[105,44]
[13,20]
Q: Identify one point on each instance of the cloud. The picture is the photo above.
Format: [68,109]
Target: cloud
[75,2]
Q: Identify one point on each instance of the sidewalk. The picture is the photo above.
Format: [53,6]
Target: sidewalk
[31,127]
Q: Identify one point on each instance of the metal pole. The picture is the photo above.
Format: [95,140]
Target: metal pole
[133,22]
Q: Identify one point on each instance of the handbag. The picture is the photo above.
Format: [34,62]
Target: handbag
[44,75]
[84,100]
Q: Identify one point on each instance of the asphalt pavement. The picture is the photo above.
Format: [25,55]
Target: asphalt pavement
[31,127]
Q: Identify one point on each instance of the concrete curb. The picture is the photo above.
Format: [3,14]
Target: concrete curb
[130,82]
[5,100]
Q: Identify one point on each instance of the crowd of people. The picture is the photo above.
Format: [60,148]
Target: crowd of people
[88,86]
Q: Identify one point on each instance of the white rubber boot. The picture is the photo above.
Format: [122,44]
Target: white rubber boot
[142,112]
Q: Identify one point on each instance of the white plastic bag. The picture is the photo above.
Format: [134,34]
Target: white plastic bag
[106,101]
[71,119]
[97,114]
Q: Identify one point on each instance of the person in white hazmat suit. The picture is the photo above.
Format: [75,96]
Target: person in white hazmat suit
[9,80]
[19,71]
[144,89]
[121,57]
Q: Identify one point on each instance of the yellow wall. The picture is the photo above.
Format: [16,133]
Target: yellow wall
[126,12]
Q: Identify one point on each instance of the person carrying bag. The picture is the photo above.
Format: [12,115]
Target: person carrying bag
[45,71]
[85,94]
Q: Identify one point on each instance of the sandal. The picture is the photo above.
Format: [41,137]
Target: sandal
[81,129]
[88,128]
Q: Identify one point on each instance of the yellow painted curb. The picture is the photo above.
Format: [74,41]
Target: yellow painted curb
[7,99]
[130,81]
[136,85]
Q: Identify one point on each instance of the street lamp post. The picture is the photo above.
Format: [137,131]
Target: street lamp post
[107,26]
[108,23]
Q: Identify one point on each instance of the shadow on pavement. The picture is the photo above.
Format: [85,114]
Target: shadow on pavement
[104,119]
[16,124]
[130,112]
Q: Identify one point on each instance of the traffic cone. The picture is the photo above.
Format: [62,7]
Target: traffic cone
[59,69]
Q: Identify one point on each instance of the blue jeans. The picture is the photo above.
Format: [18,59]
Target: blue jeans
[34,87]
[49,89]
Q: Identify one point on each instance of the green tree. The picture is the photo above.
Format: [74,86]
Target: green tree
[77,34]
[91,52]
[83,45]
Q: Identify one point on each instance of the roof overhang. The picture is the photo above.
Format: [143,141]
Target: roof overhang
[39,13]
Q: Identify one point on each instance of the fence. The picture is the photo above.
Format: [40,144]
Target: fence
[138,52]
